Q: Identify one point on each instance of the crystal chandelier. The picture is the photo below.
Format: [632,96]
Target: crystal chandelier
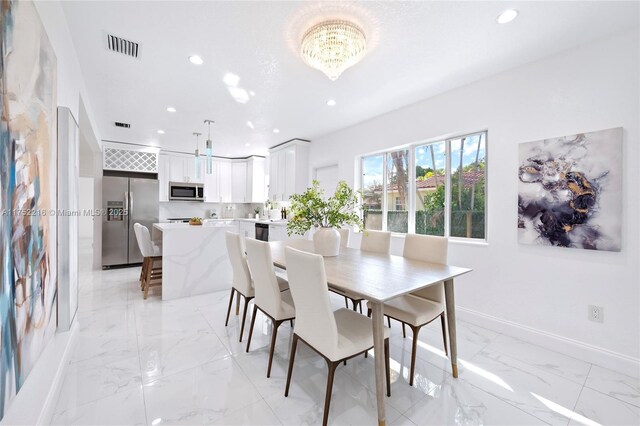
[333,46]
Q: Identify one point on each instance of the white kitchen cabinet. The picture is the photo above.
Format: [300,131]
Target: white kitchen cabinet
[255,180]
[224,180]
[163,177]
[239,181]
[190,170]
[211,183]
[289,170]
[277,233]
[247,229]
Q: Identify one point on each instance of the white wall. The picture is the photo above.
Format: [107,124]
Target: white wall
[590,88]
[85,223]
[35,402]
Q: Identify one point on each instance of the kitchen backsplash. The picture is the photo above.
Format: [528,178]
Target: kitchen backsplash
[176,209]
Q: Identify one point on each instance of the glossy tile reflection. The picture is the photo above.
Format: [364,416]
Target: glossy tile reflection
[152,362]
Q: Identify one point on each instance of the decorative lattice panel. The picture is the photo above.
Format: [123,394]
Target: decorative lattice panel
[130,161]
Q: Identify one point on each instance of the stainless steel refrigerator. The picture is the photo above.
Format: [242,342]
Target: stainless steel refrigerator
[126,201]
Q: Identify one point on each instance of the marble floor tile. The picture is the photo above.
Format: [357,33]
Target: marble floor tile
[102,298]
[544,359]
[96,350]
[122,408]
[455,401]
[521,385]
[160,362]
[85,384]
[616,385]
[351,403]
[200,395]
[167,354]
[258,413]
[594,407]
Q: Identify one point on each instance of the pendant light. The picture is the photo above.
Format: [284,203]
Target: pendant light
[197,156]
[209,149]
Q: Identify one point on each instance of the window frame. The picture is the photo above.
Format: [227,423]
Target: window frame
[411,202]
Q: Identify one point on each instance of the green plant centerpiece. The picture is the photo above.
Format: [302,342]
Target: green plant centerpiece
[311,210]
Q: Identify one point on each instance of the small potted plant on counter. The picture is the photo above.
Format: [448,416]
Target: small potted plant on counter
[310,210]
[257,212]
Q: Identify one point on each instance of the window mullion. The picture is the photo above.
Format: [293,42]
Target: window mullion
[384,191]
[447,190]
[411,203]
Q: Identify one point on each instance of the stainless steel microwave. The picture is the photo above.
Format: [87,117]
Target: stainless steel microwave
[186,191]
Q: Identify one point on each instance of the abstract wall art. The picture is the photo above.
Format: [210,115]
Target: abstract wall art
[28,285]
[570,191]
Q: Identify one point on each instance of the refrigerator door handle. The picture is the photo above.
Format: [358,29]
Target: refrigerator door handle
[126,203]
[130,209]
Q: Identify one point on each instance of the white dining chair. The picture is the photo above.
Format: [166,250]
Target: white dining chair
[242,282]
[336,336]
[275,304]
[150,275]
[423,306]
[241,276]
[374,242]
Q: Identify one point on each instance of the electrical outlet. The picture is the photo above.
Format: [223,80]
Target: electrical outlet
[596,313]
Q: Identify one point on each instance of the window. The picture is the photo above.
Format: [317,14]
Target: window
[372,172]
[446,196]
[397,189]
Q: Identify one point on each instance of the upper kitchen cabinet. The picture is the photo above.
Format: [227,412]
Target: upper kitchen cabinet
[288,169]
[255,180]
[239,181]
[217,184]
[176,168]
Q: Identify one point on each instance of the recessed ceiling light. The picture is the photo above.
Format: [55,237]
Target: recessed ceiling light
[247,144]
[331,102]
[507,16]
[250,124]
[161,132]
[252,93]
[230,79]
[276,130]
[196,60]
[171,109]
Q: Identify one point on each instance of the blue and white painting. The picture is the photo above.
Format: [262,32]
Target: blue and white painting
[570,191]
[28,287]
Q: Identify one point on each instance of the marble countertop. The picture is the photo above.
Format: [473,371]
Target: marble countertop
[169,226]
[279,222]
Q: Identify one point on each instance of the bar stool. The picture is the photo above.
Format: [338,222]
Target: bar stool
[150,275]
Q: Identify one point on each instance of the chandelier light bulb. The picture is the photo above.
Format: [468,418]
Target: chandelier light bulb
[333,46]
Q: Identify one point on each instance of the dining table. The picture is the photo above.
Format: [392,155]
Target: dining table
[380,278]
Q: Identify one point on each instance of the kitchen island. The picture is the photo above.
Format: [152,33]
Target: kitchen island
[194,258]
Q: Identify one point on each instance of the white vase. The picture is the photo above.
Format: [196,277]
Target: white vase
[326,241]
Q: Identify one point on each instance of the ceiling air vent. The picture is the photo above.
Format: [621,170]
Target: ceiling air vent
[125,125]
[123,46]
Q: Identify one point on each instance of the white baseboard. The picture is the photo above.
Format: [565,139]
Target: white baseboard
[35,402]
[574,348]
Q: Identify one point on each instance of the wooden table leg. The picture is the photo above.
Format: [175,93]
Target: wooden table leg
[451,323]
[378,350]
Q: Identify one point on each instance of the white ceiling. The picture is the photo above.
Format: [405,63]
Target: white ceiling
[416,50]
